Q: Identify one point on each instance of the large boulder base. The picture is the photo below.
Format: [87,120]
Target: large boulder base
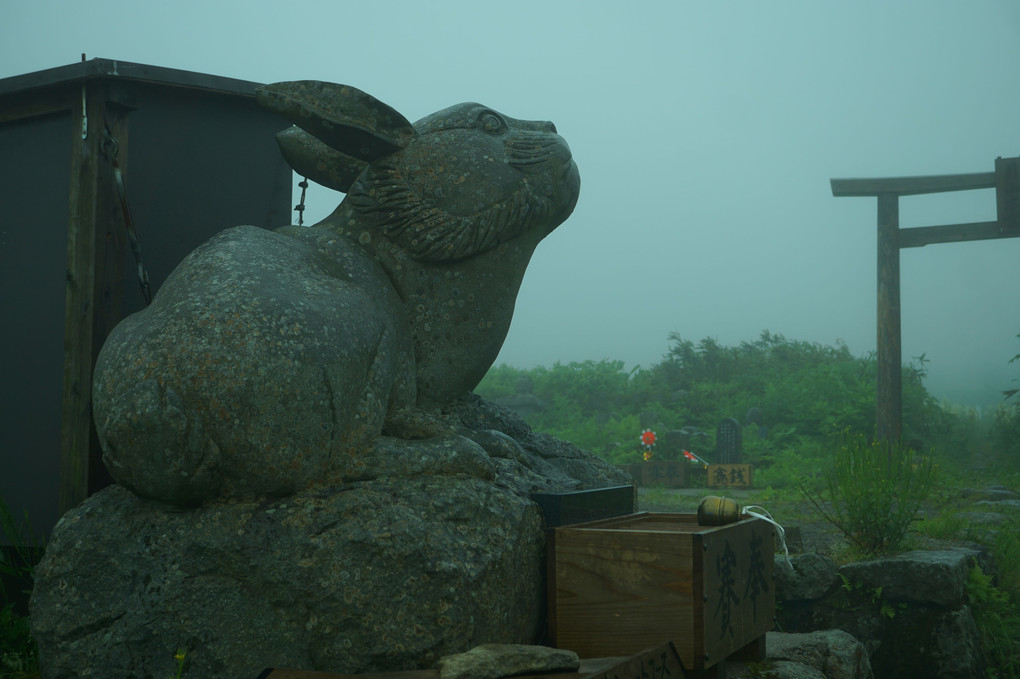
[436,550]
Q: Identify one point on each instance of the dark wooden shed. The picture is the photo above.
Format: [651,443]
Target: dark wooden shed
[196,155]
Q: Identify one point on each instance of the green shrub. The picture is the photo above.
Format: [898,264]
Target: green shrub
[805,393]
[875,490]
[998,620]
[18,652]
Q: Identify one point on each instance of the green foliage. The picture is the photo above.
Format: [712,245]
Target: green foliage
[18,652]
[1010,393]
[875,490]
[1005,431]
[179,658]
[998,620]
[805,392]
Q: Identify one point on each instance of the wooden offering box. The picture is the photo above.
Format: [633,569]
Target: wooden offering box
[621,585]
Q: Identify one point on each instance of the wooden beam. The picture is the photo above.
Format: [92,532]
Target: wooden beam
[1007,194]
[87,115]
[111,247]
[94,271]
[889,399]
[909,186]
[920,236]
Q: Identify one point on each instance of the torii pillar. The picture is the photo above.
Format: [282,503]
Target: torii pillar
[891,238]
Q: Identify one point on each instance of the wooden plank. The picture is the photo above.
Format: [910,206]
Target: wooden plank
[889,398]
[910,186]
[730,475]
[738,603]
[94,280]
[617,589]
[33,105]
[919,236]
[665,474]
[111,246]
[80,285]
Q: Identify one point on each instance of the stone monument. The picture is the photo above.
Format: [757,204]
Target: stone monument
[304,478]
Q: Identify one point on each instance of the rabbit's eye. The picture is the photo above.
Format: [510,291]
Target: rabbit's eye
[491,123]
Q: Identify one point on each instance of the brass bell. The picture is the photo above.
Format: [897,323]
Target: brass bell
[716,511]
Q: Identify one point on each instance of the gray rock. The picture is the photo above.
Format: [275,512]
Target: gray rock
[492,661]
[834,653]
[805,577]
[786,669]
[998,493]
[429,549]
[983,518]
[382,575]
[956,646]
[935,577]
[909,611]
[1006,502]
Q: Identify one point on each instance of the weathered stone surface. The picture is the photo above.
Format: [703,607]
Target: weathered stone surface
[805,577]
[389,574]
[983,518]
[431,548]
[834,653]
[786,669]
[936,577]
[992,493]
[1007,502]
[492,661]
[261,367]
[956,646]
[269,362]
[909,611]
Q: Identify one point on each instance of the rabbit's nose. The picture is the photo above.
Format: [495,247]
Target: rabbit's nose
[537,126]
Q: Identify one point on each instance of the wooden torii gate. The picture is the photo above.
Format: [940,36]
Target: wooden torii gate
[1006,182]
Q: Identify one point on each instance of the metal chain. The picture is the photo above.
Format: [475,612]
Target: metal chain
[300,207]
[111,147]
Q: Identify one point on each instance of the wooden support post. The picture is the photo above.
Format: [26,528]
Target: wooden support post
[889,401]
[94,269]
[87,122]
[1007,195]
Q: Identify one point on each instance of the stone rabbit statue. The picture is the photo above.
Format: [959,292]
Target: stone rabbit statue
[269,361]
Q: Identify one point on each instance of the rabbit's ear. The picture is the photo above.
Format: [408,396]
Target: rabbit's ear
[312,159]
[343,117]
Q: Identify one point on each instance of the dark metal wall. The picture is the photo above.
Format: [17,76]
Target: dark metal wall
[34,176]
[206,172]
[198,156]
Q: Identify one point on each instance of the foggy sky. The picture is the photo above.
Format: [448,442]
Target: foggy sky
[705,134]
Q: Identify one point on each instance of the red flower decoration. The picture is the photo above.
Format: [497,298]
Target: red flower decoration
[648,438]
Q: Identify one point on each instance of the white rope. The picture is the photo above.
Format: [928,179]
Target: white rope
[763,514]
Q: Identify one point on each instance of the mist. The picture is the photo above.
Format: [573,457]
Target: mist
[706,135]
